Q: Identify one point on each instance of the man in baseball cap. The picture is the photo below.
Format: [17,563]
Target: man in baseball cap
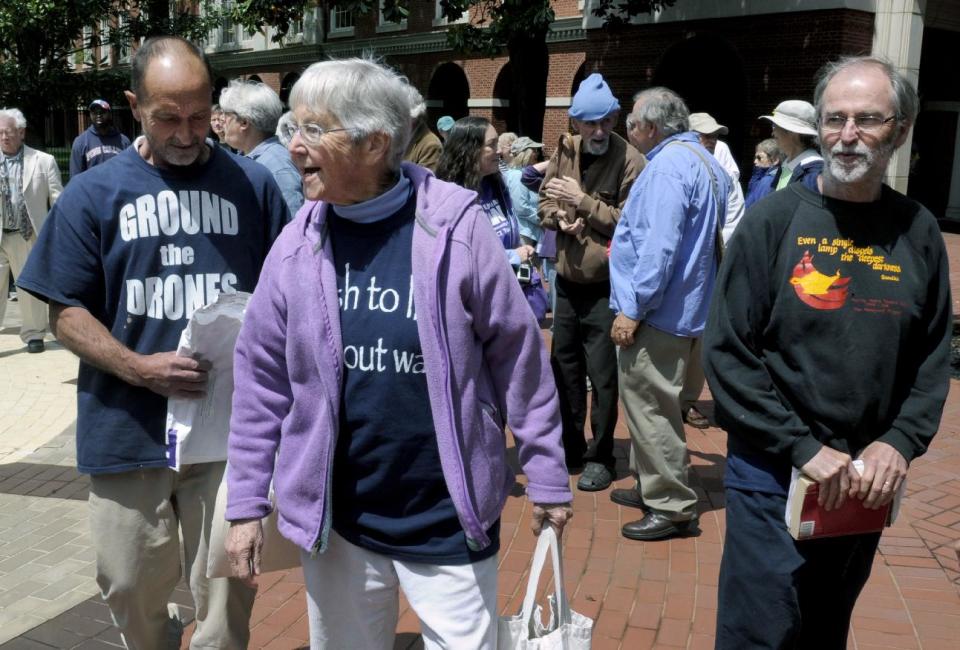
[795,130]
[583,207]
[100,142]
[710,131]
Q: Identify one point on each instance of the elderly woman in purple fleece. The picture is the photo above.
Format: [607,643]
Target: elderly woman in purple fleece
[387,345]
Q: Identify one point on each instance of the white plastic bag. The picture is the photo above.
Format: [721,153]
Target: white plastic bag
[565,629]
[197,429]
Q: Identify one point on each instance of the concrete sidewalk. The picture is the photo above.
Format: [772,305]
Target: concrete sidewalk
[642,595]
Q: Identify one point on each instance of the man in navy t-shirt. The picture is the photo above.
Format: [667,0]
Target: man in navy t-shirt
[99,143]
[140,243]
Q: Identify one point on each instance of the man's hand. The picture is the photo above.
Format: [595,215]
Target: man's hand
[623,330]
[525,252]
[572,229]
[883,471]
[834,471]
[565,189]
[171,375]
[557,514]
[244,543]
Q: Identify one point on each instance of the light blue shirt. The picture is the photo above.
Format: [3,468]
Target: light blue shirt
[662,261]
[525,204]
[275,157]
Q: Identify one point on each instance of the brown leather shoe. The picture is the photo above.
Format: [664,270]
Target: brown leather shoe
[695,418]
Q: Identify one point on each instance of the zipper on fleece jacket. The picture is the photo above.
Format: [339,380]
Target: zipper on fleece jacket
[326,518]
[473,522]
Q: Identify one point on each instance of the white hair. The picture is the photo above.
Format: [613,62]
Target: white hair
[254,102]
[362,95]
[285,119]
[418,107]
[14,114]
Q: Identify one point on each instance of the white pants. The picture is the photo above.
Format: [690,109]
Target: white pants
[353,600]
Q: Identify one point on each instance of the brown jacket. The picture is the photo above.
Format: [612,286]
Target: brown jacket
[583,259]
[424,148]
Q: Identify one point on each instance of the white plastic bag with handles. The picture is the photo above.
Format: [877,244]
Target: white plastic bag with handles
[565,629]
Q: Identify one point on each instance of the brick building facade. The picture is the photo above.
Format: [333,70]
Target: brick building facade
[736,59]
[736,68]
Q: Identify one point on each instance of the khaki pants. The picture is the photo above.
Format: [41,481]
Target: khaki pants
[651,373]
[135,521]
[14,250]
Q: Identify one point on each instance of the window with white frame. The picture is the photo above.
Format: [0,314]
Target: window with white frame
[385,25]
[438,18]
[341,20]
[123,48]
[103,36]
[85,54]
[229,30]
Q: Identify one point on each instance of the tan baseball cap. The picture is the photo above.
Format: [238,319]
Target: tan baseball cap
[704,123]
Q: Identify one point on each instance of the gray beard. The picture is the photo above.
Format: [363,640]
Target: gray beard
[872,163]
[596,149]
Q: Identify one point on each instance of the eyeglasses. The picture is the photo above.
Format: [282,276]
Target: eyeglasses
[864,123]
[310,132]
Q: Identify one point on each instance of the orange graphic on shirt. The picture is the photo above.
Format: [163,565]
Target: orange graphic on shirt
[825,292]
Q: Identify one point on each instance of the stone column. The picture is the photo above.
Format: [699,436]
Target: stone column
[897,36]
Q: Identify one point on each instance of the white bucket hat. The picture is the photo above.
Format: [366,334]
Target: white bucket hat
[794,115]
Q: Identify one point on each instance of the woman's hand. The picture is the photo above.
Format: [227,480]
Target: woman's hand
[525,252]
[556,514]
[244,543]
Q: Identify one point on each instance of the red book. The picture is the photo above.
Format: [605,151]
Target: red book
[805,518]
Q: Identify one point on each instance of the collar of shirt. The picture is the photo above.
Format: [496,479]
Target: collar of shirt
[264,146]
[686,136]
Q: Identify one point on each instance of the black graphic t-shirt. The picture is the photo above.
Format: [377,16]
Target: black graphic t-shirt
[141,248]
[389,494]
[831,326]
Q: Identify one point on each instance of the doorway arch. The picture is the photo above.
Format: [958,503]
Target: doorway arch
[447,93]
[719,89]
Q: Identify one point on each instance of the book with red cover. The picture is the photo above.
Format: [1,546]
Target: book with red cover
[805,518]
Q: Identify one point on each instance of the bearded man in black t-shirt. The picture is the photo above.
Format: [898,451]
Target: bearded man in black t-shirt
[827,342]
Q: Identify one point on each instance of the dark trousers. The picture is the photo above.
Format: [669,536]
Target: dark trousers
[776,592]
[582,348]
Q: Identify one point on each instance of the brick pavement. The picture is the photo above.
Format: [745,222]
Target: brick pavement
[642,595]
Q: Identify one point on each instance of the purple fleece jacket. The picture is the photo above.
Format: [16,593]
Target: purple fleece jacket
[486,366]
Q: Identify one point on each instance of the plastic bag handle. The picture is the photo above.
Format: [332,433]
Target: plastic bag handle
[546,542]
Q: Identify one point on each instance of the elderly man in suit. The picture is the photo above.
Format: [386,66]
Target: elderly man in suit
[29,185]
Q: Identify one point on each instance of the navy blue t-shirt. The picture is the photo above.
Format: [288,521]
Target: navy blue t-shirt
[389,495]
[141,248]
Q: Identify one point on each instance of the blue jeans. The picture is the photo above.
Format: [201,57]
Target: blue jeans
[776,592]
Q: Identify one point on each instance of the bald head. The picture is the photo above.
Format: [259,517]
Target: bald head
[162,56]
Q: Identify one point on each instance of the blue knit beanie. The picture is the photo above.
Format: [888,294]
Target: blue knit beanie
[593,100]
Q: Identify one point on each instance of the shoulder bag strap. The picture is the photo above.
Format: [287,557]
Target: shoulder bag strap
[721,205]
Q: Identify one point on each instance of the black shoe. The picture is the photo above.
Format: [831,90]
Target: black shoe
[35,346]
[629,497]
[595,477]
[655,526]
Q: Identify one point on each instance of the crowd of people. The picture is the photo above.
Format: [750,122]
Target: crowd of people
[399,279]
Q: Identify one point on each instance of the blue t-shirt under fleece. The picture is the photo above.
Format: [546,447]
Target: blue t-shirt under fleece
[141,248]
[389,494]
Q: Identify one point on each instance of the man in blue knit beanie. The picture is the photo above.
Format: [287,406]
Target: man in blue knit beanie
[585,187]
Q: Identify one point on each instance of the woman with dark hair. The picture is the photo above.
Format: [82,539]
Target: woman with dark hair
[470,160]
